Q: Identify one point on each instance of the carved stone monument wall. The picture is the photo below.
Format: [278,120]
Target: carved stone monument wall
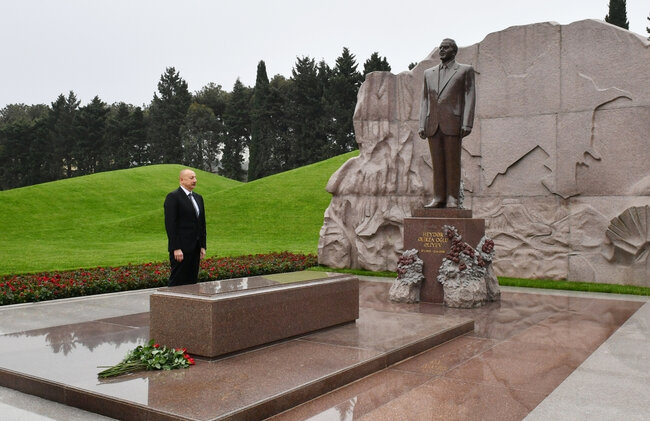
[558,162]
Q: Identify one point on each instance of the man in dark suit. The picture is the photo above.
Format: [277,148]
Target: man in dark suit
[446,116]
[185,226]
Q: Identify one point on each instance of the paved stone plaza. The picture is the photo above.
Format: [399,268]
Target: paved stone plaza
[536,355]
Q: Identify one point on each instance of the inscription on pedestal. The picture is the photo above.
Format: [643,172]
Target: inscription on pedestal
[432,242]
[425,234]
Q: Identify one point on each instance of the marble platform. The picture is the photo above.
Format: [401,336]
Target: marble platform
[215,318]
[59,362]
[521,349]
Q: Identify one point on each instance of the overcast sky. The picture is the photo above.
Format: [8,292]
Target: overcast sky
[118,49]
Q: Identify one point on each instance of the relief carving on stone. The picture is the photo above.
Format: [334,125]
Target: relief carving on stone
[559,149]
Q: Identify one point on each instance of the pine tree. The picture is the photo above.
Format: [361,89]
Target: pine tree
[375,64]
[278,100]
[62,127]
[167,115]
[648,29]
[340,101]
[214,97]
[200,140]
[15,144]
[139,153]
[259,150]
[617,14]
[116,137]
[306,116]
[237,122]
[23,144]
[90,152]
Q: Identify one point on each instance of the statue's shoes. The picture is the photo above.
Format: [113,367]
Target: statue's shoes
[435,204]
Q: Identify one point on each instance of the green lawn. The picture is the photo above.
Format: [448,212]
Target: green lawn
[115,218]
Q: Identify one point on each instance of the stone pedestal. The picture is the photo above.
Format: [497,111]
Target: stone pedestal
[220,317]
[423,232]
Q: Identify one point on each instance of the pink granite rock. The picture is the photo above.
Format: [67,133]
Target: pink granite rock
[559,148]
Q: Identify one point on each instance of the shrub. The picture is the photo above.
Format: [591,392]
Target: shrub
[27,288]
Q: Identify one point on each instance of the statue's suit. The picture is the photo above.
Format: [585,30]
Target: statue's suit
[448,100]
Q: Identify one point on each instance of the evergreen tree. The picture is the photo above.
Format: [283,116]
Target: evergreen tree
[237,122]
[14,112]
[200,139]
[124,137]
[216,98]
[259,150]
[137,139]
[62,125]
[278,100]
[412,65]
[340,101]
[305,113]
[213,96]
[116,136]
[90,152]
[15,145]
[167,115]
[375,64]
[648,29]
[617,14]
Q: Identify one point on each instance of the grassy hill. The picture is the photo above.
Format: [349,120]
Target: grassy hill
[116,217]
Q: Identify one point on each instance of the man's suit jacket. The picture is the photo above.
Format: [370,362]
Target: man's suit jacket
[184,229]
[449,103]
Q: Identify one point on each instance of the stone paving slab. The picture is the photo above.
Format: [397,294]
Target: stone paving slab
[60,363]
[612,384]
[584,394]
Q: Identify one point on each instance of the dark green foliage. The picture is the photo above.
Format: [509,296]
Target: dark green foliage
[412,65]
[125,138]
[618,14]
[284,123]
[63,132]
[23,144]
[648,29]
[278,100]
[340,99]
[18,140]
[214,97]
[200,138]
[237,120]
[90,151]
[261,127]
[15,112]
[375,64]
[167,115]
[305,111]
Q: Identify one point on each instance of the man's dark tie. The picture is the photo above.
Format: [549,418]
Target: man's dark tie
[196,206]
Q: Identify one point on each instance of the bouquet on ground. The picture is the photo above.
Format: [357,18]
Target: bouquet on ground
[149,357]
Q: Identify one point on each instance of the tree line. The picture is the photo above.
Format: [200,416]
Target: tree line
[282,123]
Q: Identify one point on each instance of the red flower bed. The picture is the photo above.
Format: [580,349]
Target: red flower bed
[49,286]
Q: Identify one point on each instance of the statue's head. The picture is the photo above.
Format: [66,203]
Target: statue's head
[447,49]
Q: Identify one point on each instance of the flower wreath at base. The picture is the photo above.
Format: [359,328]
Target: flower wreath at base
[149,357]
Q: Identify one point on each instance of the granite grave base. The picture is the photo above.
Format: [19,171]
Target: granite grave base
[60,362]
[215,318]
[424,233]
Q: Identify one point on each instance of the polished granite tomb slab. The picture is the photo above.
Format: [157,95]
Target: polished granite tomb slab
[60,363]
[220,317]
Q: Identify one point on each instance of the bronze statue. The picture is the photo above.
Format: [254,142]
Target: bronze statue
[446,116]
